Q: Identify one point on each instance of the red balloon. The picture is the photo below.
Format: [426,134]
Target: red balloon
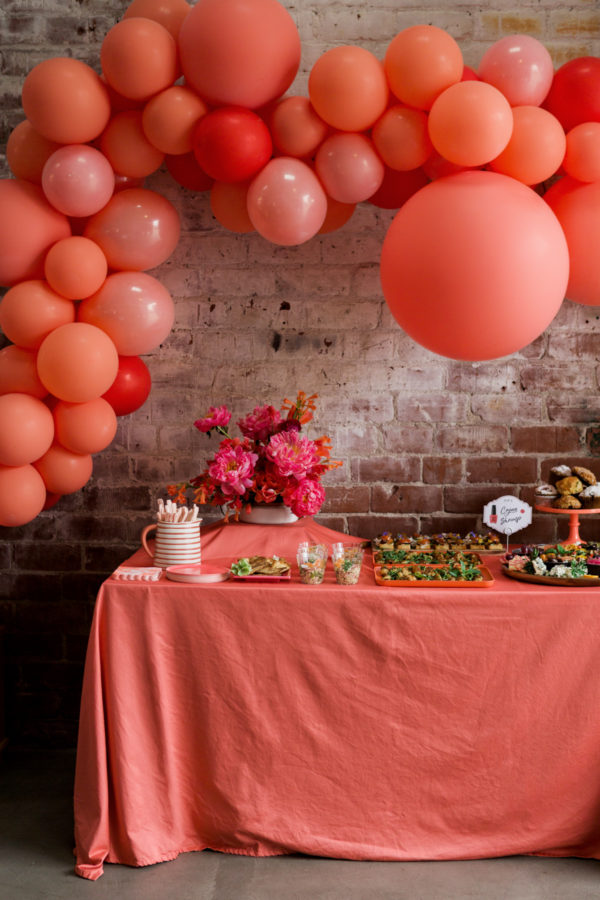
[397,187]
[185,170]
[131,387]
[232,143]
[574,96]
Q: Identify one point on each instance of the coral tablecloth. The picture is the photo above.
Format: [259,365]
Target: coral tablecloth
[356,722]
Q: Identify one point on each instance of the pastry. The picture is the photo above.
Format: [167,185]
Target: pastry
[584,475]
[569,485]
[546,491]
[590,496]
[559,472]
[567,501]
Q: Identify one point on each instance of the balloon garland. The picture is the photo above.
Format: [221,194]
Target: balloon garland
[474,266]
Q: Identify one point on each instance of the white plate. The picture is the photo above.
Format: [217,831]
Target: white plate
[196,574]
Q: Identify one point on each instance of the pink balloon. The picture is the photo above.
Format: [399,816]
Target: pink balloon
[286,203]
[349,167]
[26,429]
[22,495]
[63,471]
[85,427]
[520,67]
[18,372]
[577,208]
[77,362]
[134,309]
[474,266]
[78,180]
[138,229]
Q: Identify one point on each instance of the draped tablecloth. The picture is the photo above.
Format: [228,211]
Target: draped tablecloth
[355,722]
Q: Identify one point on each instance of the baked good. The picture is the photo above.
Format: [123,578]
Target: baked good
[584,475]
[590,496]
[566,501]
[558,472]
[546,492]
[569,485]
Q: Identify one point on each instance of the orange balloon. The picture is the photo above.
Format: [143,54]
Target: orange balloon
[85,427]
[170,117]
[65,101]
[470,123]
[347,88]
[77,362]
[337,215]
[18,372]
[582,157]
[28,227]
[228,204]
[22,495]
[30,310]
[536,147]
[420,63]
[577,208]
[168,13]
[27,152]
[127,148]
[401,138]
[64,472]
[26,429]
[139,58]
[75,267]
[296,128]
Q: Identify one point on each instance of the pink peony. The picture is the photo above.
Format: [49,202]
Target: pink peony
[292,454]
[260,423]
[218,417]
[233,469]
[307,499]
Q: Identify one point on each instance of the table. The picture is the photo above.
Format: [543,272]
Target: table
[357,722]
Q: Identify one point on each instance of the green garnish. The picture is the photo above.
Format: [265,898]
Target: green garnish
[241,567]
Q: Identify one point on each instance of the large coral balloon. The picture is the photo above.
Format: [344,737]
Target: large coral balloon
[239,52]
[474,266]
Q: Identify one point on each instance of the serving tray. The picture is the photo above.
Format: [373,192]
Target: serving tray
[487,581]
[586,581]
[260,577]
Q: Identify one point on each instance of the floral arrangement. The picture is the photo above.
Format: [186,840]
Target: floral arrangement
[271,463]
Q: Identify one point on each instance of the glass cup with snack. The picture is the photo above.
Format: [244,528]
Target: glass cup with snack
[312,561]
[347,562]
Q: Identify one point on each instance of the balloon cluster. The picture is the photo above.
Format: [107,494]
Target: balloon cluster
[474,266]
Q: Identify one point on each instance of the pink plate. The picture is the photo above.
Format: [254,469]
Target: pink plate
[196,574]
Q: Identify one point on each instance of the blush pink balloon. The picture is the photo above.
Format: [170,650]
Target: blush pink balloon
[286,202]
[349,167]
[78,180]
[134,309]
[22,495]
[138,229]
[26,429]
[63,471]
[520,67]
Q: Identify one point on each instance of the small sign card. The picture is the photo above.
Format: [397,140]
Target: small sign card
[507,514]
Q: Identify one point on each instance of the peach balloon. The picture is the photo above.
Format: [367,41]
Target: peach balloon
[474,266]
[582,156]
[28,228]
[168,13]
[85,427]
[65,101]
[296,128]
[577,208]
[134,309]
[27,152]
[30,310]
[470,123]
[75,267]
[420,63]
[78,180]
[337,215]
[137,229]
[170,117]
[235,53]
[18,372]
[125,145]
[139,58]
[348,88]
[64,472]
[26,429]
[77,362]
[401,138]
[229,207]
[22,495]
[286,202]
[536,147]
[349,167]
[520,67]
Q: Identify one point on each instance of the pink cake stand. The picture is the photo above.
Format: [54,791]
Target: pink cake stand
[573,515]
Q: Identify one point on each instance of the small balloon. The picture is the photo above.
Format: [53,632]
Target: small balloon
[126,147]
[349,167]
[22,495]
[78,180]
[232,143]
[420,63]
[397,187]
[296,128]
[185,170]
[170,117]
[582,156]
[139,58]
[470,123]
[131,387]
[401,138]
[85,427]
[229,205]
[18,372]
[536,147]
[27,152]
[520,67]
[26,429]
[336,216]
[77,362]
[30,310]
[286,202]
[577,208]
[168,13]
[574,96]
[75,267]
[348,88]
[64,472]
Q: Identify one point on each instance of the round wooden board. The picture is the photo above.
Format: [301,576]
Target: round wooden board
[589,581]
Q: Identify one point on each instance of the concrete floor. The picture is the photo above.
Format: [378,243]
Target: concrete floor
[36,861]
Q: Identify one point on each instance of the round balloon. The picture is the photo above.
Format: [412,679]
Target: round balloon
[168,13]
[520,67]
[286,202]
[127,148]
[27,152]
[470,123]
[30,310]
[65,101]
[28,228]
[184,169]
[474,266]
[348,88]
[75,267]
[349,167]
[77,362]
[337,215]
[85,427]
[536,147]
[131,387]
[239,53]
[18,372]
[134,309]
[22,495]
[420,63]
[139,58]
[170,117]
[582,155]
[397,187]
[296,128]
[78,180]
[64,472]
[577,207]
[229,205]
[232,143]
[574,96]
[137,229]
[26,429]
[401,138]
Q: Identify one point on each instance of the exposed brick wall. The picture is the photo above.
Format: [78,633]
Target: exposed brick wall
[425,441]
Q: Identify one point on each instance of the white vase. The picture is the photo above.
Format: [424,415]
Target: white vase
[268,514]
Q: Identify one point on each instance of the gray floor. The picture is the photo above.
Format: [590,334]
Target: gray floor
[36,861]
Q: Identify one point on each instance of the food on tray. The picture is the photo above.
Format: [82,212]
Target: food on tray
[546,492]
[488,542]
[558,472]
[389,557]
[555,560]
[260,565]
[461,572]
[584,475]
[590,496]
[569,487]
[567,501]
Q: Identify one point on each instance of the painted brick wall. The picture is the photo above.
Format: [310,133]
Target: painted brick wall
[425,441]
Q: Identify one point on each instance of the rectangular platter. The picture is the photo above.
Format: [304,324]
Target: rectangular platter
[486,582]
[423,557]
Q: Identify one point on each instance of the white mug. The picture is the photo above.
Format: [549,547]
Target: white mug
[176,543]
